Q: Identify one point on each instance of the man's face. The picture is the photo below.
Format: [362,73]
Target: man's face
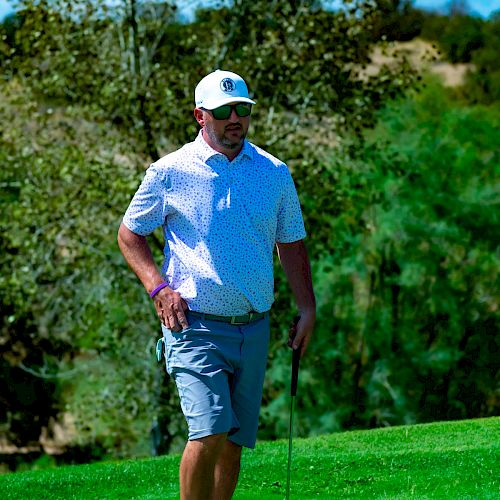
[227,134]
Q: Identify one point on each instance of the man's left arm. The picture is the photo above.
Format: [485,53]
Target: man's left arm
[295,263]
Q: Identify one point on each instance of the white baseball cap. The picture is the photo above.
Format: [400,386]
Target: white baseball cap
[219,88]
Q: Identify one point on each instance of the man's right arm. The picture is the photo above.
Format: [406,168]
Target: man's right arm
[169,304]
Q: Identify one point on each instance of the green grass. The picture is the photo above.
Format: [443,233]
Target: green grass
[455,460]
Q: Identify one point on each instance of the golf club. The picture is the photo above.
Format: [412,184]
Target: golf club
[293,393]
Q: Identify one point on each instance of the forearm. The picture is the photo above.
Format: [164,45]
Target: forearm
[169,305]
[137,254]
[295,263]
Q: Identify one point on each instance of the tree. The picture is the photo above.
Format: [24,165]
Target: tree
[408,290]
[398,20]
[458,35]
[482,84]
[96,91]
[73,321]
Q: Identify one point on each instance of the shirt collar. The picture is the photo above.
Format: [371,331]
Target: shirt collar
[207,151]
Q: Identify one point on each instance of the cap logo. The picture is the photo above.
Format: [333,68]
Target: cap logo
[227,85]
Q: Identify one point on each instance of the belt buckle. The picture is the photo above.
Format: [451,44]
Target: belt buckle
[250,315]
[234,322]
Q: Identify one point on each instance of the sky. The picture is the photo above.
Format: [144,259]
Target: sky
[481,7]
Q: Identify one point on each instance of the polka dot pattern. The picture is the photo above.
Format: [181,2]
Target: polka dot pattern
[220,221]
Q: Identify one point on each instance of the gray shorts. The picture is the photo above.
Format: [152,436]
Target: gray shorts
[219,371]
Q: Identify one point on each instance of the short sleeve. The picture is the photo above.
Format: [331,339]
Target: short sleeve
[290,225]
[148,208]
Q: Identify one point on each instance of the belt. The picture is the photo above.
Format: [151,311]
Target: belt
[244,319]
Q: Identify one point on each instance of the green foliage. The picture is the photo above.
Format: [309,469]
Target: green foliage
[309,65]
[458,35]
[120,62]
[483,84]
[406,281]
[442,460]
[467,39]
[72,314]
[399,20]
[402,222]
[90,71]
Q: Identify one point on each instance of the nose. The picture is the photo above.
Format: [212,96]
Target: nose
[233,117]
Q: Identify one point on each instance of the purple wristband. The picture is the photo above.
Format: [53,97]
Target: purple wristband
[161,286]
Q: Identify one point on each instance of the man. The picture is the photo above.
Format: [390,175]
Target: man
[223,204]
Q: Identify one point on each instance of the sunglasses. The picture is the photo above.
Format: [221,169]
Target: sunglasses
[242,109]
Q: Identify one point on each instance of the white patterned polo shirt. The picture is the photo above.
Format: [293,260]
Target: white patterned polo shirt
[221,220]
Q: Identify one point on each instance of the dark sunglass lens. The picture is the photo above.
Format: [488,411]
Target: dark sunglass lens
[243,109]
[222,112]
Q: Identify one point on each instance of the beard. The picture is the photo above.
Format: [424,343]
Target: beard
[223,141]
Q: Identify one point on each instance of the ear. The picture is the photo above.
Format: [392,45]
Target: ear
[200,116]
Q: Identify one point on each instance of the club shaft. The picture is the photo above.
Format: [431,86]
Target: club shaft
[290,433]
[293,393]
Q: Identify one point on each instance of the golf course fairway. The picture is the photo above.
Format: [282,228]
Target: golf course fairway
[443,460]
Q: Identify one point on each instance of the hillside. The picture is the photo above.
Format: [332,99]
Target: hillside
[421,55]
[439,460]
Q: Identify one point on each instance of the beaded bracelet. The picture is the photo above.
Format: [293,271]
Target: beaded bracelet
[161,286]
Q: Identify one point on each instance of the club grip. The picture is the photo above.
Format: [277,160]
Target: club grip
[295,371]
[295,365]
